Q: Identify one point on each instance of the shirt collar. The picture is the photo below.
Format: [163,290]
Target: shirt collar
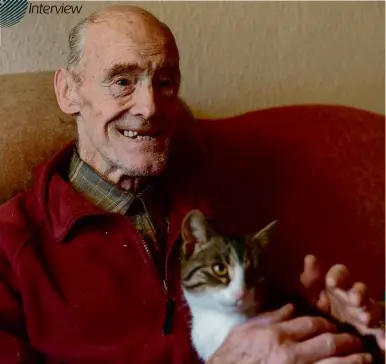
[100,192]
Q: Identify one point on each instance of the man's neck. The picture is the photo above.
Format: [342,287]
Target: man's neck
[114,175]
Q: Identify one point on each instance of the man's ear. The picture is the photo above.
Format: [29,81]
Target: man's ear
[66,91]
[195,232]
[262,237]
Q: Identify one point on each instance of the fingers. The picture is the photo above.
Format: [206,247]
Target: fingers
[312,272]
[305,327]
[338,276]
[338,282]
[323,304]
[354,306]
[358,294]
[272,317]
[327,345]
[372,313]
[312,278]
[365,318]
[351,359]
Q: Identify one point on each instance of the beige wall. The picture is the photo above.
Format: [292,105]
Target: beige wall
[238,56]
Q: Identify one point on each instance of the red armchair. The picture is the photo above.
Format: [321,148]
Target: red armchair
[320,171]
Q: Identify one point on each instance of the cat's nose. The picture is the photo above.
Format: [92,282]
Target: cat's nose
[240,295]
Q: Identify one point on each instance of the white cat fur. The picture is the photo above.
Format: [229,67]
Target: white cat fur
[215,313]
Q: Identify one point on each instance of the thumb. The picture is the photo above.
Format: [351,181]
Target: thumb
[273,317]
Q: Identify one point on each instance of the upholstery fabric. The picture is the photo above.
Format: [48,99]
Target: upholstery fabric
[32,128]
[318,169]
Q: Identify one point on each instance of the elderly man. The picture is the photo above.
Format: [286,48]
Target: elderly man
[89,267]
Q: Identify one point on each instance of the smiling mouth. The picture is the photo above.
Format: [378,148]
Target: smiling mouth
[139,136]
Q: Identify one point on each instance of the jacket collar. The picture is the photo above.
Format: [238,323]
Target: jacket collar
[61,206]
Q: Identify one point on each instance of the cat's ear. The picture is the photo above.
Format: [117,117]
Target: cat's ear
[262,237]
[195,228]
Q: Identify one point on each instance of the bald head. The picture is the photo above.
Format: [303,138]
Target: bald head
[125,13]
[136,21]
[131,21]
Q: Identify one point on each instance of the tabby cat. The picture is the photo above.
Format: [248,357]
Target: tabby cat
[219,280]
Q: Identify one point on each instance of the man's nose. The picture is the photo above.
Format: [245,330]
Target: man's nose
[144,101]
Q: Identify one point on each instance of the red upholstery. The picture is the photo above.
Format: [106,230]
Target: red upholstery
[320,171]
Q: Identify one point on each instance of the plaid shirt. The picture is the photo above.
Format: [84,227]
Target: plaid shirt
[139,208]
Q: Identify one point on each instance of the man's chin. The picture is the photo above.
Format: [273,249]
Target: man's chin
[147,169]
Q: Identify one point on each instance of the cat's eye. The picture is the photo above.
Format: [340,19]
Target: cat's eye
[220,269]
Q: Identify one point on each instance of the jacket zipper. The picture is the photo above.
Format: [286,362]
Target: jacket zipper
[167,325]
[168,322]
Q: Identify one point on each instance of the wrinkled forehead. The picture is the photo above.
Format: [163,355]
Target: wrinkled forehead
[114,45]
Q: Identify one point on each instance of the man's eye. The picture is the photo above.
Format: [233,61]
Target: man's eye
[165,83]
[167,87]
[123,82]
[122,87]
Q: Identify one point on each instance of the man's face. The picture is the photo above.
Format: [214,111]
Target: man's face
[129,105]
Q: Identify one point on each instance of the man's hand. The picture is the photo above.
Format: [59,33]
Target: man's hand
[275,338]
[332,293]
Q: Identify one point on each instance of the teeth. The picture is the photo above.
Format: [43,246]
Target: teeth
[145,138]
[130,133]
[134,135]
